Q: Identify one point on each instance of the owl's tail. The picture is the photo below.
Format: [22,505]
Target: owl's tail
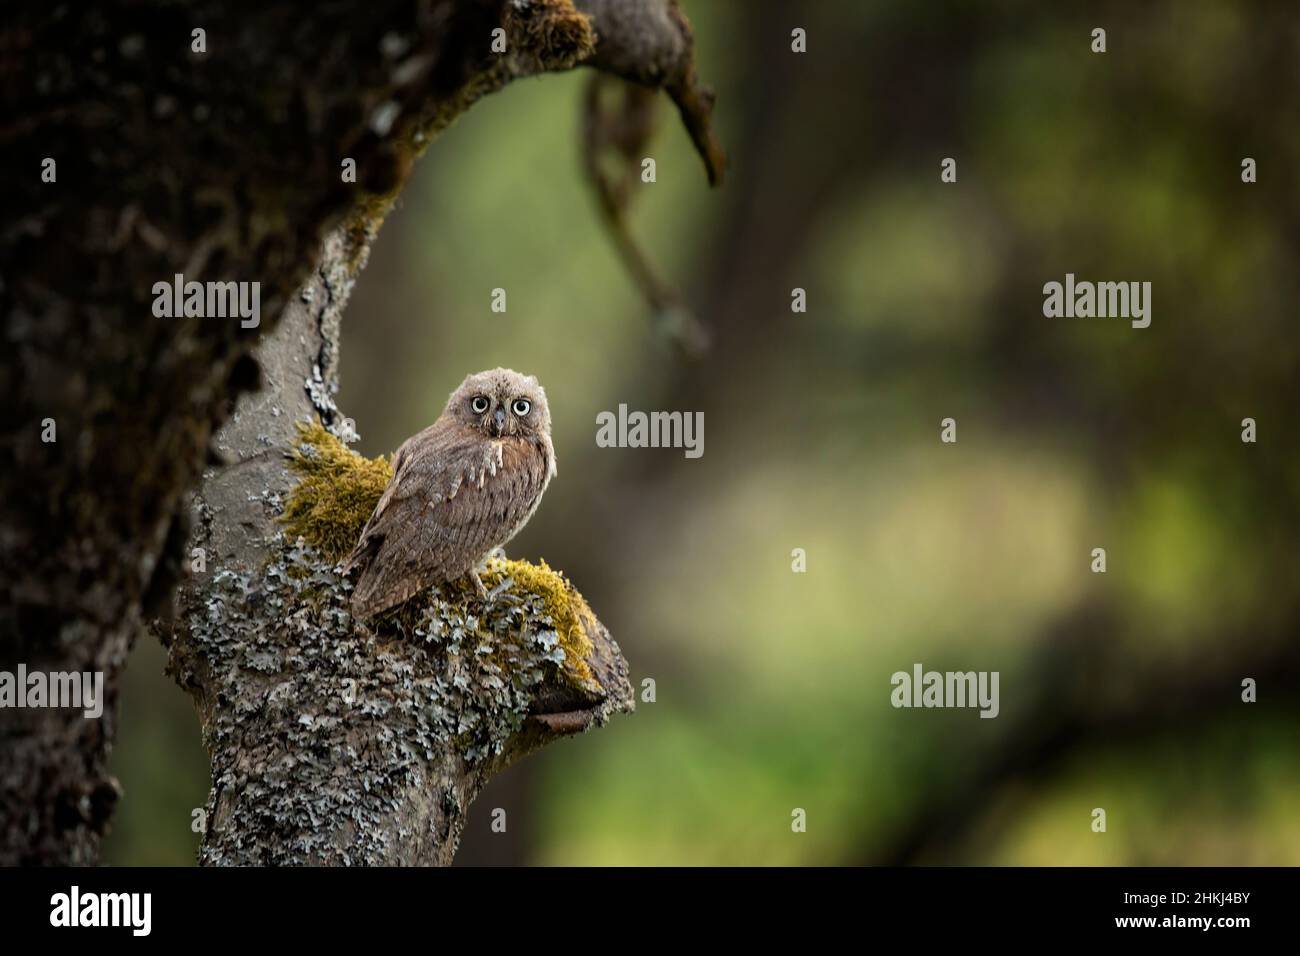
[365,593]
[361,554]
[374,596]
[381,584]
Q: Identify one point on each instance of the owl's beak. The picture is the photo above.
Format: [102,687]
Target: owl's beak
[499,421]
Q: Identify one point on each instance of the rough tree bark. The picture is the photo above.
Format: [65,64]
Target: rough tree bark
[225,165]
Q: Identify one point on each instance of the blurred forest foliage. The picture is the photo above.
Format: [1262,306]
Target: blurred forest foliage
[1118,690]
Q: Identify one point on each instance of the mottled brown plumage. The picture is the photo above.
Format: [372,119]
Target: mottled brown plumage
[463,486]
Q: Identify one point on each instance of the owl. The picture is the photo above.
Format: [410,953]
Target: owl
[460,488]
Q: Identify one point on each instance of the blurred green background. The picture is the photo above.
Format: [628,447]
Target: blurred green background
[1119,690]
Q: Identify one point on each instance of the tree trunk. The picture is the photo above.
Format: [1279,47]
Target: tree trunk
[160,139]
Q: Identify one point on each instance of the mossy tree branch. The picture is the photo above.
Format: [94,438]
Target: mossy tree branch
[225,165]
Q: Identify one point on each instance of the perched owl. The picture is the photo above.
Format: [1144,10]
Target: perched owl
[463,486]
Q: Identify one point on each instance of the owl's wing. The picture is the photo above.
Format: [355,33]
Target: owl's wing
[454,495]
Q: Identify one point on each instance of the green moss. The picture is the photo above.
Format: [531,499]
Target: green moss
[569,613]
[555,31]
[337,492]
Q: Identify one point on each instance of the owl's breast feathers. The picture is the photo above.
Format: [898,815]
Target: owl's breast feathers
[455,495]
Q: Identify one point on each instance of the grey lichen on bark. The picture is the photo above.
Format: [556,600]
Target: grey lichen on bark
[334,743]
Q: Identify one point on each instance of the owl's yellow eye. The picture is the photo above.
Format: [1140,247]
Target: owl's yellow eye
[479,405]
[521,406]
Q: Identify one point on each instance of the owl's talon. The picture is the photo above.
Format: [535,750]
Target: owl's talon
[479,586]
